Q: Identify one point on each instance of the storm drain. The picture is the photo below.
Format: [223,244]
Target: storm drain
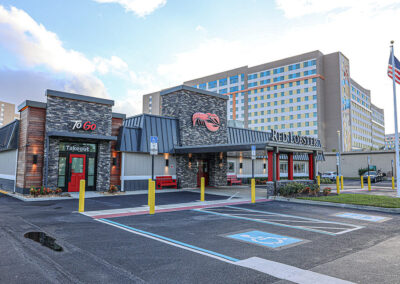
[44,239]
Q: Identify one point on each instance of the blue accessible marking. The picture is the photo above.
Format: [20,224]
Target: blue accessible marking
[265,239]
[363,217]
[153,139]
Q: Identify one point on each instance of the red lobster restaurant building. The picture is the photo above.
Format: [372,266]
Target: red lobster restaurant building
[73,137]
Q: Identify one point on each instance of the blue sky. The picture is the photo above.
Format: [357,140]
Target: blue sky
[122,49]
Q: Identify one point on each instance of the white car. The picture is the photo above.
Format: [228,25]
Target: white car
[330,175]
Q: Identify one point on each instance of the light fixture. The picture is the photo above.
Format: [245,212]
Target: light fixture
[166,162]
[265,166]
[114,161]
[241,165]
[35,159]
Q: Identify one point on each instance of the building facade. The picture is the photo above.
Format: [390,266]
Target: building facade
[310,94]
[7,113]
[390,141]
[72,137]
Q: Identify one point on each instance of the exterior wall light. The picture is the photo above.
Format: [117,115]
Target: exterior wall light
[167,162]
[241,165]
[114,161]
[265,166]
[35,159]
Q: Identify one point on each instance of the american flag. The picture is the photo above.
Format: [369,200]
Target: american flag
[396,69]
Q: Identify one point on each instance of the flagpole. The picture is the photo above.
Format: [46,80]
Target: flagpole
[395,121]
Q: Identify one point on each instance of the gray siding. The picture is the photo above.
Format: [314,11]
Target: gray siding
[8,161]
[139,164]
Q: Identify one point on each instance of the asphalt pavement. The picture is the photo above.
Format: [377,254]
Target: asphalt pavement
[209,245]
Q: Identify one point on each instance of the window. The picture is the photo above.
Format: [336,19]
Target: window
[61,171]
[233,89]
[233,79]
[223,82]
[202,86]
[212,84]
[223,91]
[283,167]
[231,167]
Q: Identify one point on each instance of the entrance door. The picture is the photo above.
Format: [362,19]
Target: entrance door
[77,166]
[203,172]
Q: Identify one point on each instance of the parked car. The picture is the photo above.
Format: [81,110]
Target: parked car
[330,175]
[375,176]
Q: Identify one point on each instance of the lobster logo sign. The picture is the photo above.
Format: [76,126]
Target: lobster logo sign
[211,121]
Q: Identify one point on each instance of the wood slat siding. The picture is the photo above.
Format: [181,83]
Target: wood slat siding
[115,178]
[31,142]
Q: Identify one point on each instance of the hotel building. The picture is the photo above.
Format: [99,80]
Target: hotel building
[311,94]
[7,113]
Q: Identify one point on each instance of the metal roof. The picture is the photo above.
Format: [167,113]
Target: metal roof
[9,136]
[136,132]
[243,136]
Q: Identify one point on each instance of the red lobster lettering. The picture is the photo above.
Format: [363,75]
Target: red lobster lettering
[211,121]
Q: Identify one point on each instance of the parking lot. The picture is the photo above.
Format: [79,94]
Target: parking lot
[240,243]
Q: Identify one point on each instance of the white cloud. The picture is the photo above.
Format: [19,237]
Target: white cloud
[114,64]
[361,33]
[200,28]
[140,7]
[36,46]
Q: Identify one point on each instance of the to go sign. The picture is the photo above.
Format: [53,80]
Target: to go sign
[87,125]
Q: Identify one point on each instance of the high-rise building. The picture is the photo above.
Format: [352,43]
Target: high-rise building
[7,113]
[310,94]
[389,141]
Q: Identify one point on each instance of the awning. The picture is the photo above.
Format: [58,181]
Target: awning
[81,135]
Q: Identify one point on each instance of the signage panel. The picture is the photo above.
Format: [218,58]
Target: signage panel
[253,152]
[294,139]
[210,120]
[84,125]
[153,145]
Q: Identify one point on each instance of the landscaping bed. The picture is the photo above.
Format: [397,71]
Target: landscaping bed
[358,199]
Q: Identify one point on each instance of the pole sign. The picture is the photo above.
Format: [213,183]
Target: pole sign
[337,158]
[153,145]
[253,152]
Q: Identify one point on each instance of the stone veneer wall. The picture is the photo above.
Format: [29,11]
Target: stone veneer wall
[60,113]
[217,174]
[187,177]
[183,104]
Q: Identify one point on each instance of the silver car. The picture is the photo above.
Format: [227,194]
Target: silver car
[330,175]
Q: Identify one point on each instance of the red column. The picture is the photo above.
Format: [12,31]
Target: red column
[310,166]
[290,166]
[277,167]
[270,165]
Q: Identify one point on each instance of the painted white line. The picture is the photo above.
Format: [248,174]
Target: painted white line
[276,269]
[287,272]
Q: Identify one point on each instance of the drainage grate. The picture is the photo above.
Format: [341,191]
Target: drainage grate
[44,239]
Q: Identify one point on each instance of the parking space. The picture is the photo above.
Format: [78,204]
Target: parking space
[299,236]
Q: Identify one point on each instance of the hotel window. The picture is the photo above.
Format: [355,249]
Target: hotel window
[291,125]
[298,107]
[212,84]
[223,82]
[233,79]
[298,124]
[307,132]
[233,89]
[223,91]
[291,116]
[202,86]
[298,116]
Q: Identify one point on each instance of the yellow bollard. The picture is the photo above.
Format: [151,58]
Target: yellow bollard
[392,182]
[319,181]
[341,183]
[369,183]
[253,190]
[337,185]
[152,197]
[82,195]
[362,181]
[148,192]
[202,188]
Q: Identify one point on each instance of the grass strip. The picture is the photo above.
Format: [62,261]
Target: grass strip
[359,199]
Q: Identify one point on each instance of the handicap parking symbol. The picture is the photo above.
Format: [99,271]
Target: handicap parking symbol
[370,218]
[265,239]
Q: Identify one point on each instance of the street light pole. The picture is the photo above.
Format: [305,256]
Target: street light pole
[339,166]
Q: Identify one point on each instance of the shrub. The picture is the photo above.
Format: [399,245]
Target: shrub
[326,191]
[113,189]
[33,191]
[291,189]
[314,189]
[362,171]
[58,191]
[326,181]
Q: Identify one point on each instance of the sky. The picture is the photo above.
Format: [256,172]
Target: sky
[123,49]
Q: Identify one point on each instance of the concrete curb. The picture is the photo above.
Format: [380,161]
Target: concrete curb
[340,205]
